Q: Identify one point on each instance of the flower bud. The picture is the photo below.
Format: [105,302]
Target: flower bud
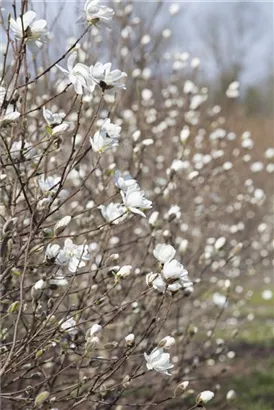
[124,271]
[41,398]
[126,381]
[110,345]
[9,225]
[61,225]
[92,343]
[130,339]
[13,307]
[167,342]
[94,330]
[204,397]
[180,389]
[153,218]
[36,290]
[220,242]
[231,395]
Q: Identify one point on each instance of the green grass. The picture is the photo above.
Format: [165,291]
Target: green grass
[255,391]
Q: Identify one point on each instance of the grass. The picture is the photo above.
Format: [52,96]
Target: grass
[253,376]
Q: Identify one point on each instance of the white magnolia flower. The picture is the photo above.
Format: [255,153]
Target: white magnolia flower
[69,326]
[78,75]
[95,12]
[123,182]
[51,118]
[101,142]
[112,130]
[34,31]
[164,252]
[55,123]
[173,277]
[20,148]
[73,255]
[113,212]
[159,360]
[94,330]
[204,397]
[49,183]
[173,270]
[52,251]
[167,342]
[10,117]
[102,75]
[134,200]
[159,284]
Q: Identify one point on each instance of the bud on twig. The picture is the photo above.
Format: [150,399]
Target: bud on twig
[61,225]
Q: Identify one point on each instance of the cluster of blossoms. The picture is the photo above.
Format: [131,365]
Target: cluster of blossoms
[71,255]
[173,275]
[85,79]
[133,198]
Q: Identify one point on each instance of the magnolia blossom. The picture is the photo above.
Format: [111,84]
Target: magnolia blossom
[69,326]
[174,270]
[55,122]
[95,12]
[123,182]
[113,213]
[34,31]
[20,148]
[94,330]
[51,118]
[101,141]
[159,360]
[78,75]
[52,251]
[134,200]
[72,255]
[112,130]
[172,278]
[106,137]
[103,76]
[10,117]
[164,252]
[49,184]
